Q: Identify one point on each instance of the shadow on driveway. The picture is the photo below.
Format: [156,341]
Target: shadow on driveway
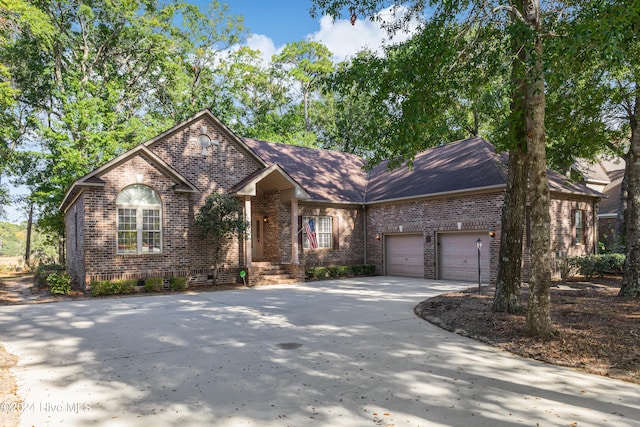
[331,353]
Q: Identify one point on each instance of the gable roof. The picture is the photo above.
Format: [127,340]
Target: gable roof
[92,179]
[275,177]
[326,175]
[221,126]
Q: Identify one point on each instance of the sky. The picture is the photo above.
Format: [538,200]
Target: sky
[273,23]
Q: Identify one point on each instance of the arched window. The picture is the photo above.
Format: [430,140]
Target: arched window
[139,220]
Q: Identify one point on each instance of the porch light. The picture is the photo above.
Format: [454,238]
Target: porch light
[492,233]
[378,236]
[265,219]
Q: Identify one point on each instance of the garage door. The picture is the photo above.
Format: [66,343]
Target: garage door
[405,255]
[458,257]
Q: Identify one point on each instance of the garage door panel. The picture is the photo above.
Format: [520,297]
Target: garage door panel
[458,257]
[405,255]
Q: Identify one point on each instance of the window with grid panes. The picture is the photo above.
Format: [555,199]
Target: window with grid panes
[324,231]
[139,220]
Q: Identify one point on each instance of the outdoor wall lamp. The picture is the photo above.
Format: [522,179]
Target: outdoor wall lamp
[378,236]
[265,219]
[492,233]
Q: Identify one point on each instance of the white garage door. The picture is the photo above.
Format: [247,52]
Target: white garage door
[405,255]
[458,257]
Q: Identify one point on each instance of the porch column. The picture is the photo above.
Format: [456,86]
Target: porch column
[294,232]
[249,237]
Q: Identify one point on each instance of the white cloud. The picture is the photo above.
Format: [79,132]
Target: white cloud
[262,43]
[344,39]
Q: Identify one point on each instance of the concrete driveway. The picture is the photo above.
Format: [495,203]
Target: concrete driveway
[332,353]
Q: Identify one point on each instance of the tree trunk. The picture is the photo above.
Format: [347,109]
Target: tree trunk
[507,297]
[27,251]
[538,322]
[619,233]
[631,274]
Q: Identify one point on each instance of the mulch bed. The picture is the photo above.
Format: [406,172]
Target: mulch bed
[596,331]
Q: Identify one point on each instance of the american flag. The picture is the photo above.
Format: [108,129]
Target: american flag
[311,234]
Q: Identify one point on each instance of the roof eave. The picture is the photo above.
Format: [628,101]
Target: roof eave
[485,189]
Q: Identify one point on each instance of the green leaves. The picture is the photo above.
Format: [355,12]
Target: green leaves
[221,217]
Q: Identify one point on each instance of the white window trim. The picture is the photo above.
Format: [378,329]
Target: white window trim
[305,241]
[139,208]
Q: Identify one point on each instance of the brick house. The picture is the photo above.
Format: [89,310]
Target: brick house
[133,217]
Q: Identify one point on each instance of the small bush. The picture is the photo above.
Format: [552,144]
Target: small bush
[333,271]
[357,269]
[177,283]
[108,287]
[592,265]
[343,270]
[59,283]
[613,263]
[101,287]
[317,272]
[153,284]
[369,269]
[44,270]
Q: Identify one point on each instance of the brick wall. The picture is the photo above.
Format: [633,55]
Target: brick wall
[475,213]
[349,248]
[74,224]
[478,212]
[184,252]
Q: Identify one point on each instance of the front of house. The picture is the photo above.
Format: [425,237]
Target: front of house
[133,218]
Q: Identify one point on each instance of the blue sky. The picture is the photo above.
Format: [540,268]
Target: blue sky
[273,23]
[281,20]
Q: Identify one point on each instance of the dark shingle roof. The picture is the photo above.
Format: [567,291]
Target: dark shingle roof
[611,203]
[325,174]
[467,164]
[470,164]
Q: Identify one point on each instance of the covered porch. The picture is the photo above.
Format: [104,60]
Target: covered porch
[270,205]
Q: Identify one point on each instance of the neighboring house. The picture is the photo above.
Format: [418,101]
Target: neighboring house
[605,176]
[134,216]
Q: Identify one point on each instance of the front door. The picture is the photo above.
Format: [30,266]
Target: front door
[257,238]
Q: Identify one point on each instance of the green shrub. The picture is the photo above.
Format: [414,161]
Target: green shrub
[333,271]
[357,269]
[44,270]
[108,287]
[342,270]
[592,265]
[177,283]
[153,284]
[101,287]
[59,283]
[317,272]
[369,269]
[613,263]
